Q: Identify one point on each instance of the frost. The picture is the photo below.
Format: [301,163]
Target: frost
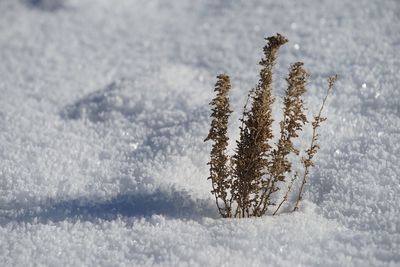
[133,145]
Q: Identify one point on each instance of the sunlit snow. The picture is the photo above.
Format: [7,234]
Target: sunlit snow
[104,109]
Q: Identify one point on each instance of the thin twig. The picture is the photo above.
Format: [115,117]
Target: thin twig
[307,162]
[285,197]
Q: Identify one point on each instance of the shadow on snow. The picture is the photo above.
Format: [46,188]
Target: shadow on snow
[171,204]
[45,5]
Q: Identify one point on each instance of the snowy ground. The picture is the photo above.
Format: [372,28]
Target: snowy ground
[103,112]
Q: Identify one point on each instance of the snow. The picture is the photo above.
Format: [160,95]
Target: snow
[104,109]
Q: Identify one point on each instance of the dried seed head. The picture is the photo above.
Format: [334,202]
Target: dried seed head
[219,169]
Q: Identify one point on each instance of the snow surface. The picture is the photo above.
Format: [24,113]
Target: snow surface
[103,112]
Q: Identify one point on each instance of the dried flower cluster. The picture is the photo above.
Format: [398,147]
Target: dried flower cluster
[219,168]
[244,184]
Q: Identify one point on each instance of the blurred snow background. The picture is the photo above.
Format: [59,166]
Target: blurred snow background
[103,112]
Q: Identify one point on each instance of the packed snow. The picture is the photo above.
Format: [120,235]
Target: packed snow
[104,109]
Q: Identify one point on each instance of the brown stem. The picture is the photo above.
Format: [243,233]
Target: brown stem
[287,193]
[312,150]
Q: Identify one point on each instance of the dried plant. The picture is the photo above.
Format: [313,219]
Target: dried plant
[307,161]
[250,160]
[245,183]
[219,168]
